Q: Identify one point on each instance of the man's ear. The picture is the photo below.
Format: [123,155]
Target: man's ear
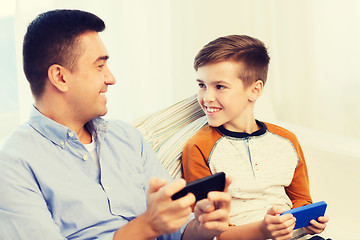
[255,90]
[56,75]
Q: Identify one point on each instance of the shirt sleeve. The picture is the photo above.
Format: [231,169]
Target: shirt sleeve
[196,154]
[299,190]
[23,210]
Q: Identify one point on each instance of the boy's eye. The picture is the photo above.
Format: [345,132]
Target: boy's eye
[201,85]
[220,87]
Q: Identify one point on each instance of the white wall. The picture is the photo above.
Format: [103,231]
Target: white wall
[313,77]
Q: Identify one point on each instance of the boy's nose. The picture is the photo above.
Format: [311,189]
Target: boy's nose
[209,96]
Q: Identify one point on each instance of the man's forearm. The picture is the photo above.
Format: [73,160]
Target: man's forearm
[137,229]
[191,232]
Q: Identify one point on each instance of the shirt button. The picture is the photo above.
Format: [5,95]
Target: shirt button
[106,187]
[62,143]
[85,157]
[71,134]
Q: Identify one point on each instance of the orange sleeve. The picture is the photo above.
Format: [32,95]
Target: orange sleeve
[196,154]
[298,190]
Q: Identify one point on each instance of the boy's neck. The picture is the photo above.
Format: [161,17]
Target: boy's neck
[246,126]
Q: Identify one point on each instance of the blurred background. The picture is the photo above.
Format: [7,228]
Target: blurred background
[312,88]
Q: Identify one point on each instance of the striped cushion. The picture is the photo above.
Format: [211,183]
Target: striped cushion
[169,129]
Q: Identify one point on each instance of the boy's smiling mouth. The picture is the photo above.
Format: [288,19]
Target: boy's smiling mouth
[212,109]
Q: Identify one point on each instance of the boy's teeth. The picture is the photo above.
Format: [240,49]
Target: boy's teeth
[213,110]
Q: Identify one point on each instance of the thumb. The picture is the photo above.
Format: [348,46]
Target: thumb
[156,183]
[275,210]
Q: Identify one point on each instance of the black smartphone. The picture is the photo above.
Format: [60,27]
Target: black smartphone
[201,187]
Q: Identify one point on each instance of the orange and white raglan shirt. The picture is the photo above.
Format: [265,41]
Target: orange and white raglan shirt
[268,168]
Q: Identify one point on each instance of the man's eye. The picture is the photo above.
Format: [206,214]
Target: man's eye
[201,85]
[101,66]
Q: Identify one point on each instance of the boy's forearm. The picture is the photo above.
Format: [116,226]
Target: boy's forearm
[251,231]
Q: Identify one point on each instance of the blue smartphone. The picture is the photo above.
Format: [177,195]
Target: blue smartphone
[306,213]
[201,187]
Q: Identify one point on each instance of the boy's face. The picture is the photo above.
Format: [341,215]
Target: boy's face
[223,96]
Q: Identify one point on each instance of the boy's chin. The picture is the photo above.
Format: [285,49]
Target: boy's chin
[214,124]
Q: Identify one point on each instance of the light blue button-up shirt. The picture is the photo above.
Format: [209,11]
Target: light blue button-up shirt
[51,188]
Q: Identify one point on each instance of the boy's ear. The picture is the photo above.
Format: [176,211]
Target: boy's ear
[255,90]
[57,77]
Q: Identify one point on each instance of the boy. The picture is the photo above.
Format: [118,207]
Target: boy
[265,161]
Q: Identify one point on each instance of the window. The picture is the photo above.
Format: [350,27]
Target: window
[9,103]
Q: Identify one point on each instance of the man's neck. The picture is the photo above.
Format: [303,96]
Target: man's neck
[65,118]
[84,135]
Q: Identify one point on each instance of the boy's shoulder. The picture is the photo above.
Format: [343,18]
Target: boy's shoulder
[205,135]
[282,132]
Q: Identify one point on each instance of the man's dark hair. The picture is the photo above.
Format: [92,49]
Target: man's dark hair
[52,38]
[250,53]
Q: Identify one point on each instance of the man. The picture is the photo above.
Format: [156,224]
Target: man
[69,174]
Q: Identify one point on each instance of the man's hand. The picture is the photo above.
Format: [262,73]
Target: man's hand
[278,227]
[317,227]
[164,215]
[211,215]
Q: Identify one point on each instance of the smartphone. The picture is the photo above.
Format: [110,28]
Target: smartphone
[201,187]
[306,213]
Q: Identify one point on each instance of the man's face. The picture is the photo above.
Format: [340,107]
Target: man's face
[89,80]
[222,95]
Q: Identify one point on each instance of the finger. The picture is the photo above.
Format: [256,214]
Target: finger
[215,225]
[205,206]
[278,223]
[317,226]
[323,219]
[313,230]
[275,210]
[156,183]
[285,232]
[185,202]
[220,199]
[172,188]
[219,215]
[228,181]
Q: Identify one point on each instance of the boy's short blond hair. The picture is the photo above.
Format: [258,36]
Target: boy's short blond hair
[250,53]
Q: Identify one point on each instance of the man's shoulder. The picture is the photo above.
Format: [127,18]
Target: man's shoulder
[122,129]
[21,134]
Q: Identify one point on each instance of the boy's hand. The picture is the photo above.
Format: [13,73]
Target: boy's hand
[317,227]
[278,227]
[163,215]
[212,214]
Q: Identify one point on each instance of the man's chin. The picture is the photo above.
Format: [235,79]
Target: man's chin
[102,113]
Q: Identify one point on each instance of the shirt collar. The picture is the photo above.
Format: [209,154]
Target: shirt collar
[58,133]
[259,132]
